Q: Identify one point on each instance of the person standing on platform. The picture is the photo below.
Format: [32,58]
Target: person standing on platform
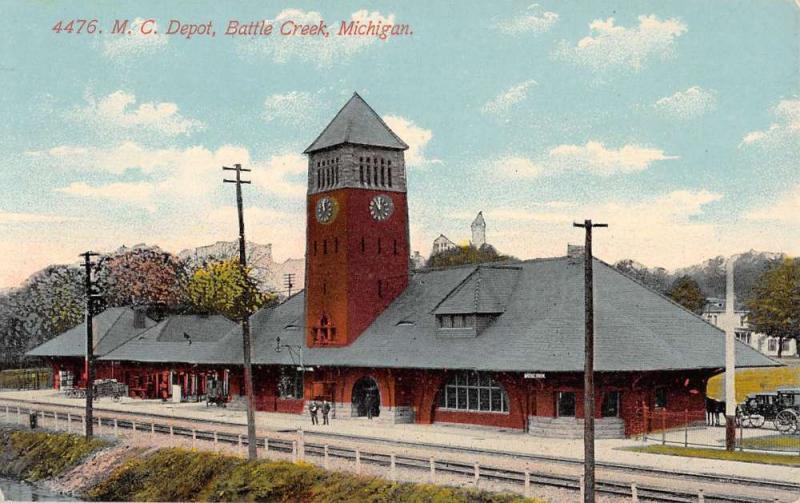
[370,402]
[326,409]
[313,408]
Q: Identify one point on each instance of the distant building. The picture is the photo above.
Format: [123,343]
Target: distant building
[478,231]
[478,228]
[736,320]
[442,244]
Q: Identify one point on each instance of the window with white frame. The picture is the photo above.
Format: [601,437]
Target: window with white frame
[473,391]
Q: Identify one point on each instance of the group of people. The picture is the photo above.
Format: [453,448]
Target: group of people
[314,409]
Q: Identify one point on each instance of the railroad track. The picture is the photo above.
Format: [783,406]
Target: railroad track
[450,467]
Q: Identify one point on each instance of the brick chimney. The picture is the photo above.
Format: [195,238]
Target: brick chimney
[574,252]
[139,315]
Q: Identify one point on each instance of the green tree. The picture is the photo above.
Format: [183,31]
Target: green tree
[50,302]
[225,288]
[469,254]
[775,304]
[686,292]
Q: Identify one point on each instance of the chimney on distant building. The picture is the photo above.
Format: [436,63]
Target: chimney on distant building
[574,251]
[139,315]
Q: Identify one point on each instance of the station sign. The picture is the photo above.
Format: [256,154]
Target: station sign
[534,375]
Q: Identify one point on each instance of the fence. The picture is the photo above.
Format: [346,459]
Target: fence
[684,429]
[294,447]
[19,379]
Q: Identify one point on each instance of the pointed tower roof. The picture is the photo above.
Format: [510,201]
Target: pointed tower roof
[357,123]
[479,219]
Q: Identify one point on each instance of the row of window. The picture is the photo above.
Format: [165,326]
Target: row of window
[565,404]
[772,345]
[373,173]
[334,246]
[456,320]
[473,391]
[327,173]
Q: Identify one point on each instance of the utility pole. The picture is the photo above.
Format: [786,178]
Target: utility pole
[288,282]
[247,341]
[90,298]
[588,366]
[730,357]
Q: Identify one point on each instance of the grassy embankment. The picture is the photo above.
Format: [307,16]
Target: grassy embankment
[184,475]
[756,380]
[750,457]
[36,456]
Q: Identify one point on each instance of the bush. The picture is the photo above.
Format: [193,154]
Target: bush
[36,456]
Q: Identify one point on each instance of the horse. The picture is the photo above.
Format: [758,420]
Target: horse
[713,410]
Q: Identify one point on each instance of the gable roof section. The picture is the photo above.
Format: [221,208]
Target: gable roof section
[112,328]
[165,342]
[486,291]
[357,123]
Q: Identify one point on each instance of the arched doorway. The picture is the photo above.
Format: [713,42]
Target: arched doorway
[366,397]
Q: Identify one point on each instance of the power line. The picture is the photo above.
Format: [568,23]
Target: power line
[288,281]
[247,340]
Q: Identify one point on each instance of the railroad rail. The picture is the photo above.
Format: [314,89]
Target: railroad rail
[299,449]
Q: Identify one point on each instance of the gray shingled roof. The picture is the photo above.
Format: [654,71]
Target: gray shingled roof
[486,291]
[357,123]
[112,328]
[540,330]
[165,342]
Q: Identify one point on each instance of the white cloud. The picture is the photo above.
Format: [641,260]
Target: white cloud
[294,107]
[508,98]
[416,138]
[33,218]
[118,111]
[284,175]
[688,104]
[785,209]
[123,46]
[593,157]
[785,131]
[611,46]
[319,50]
[138,194]
[174,174]
[531,21]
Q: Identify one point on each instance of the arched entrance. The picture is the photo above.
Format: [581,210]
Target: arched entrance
[366,398]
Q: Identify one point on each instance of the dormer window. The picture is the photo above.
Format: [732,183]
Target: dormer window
[456,320]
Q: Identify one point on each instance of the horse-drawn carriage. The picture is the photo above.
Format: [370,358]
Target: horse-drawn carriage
[757,409]
[788,419]
[102,388]
[781,407]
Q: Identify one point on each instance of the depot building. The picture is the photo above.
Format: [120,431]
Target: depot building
[497,345]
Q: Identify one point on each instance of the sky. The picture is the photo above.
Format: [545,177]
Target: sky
[677,123]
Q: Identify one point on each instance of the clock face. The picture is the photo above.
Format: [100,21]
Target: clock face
[381,207]
[326,210]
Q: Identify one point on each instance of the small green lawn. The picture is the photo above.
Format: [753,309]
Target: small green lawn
[748,457]
[790,443]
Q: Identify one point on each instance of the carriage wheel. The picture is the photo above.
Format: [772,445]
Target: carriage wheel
[747,421]
[757,421]
[786,421]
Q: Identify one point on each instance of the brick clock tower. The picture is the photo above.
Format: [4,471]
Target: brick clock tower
[357,248]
